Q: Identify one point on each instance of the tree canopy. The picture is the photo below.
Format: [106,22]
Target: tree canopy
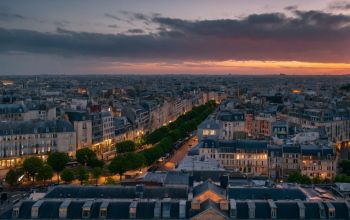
[12,177]
[162,139]
[45,173]
[58,161]
[67,175]
[125,146]
[32,165]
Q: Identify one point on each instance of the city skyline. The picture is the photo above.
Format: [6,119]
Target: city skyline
[182,37]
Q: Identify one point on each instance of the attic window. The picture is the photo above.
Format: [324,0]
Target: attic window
[15,213]
[86,213]
[103,213]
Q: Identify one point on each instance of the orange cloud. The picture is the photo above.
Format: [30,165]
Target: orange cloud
[224,67]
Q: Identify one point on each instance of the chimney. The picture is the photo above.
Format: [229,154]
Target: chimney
[87,209]
[35,208]
[157,209]
[103,209]
[301,209]
[233,208]
[273,208]
[132,209]
[182,209]
[224,181]
[321,210]
[15,210]
[330,209]
[224,205]
[62,213]
[251,209]
[195,205]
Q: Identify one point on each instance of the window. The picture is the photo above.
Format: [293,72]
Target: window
[86,213]
[103,213]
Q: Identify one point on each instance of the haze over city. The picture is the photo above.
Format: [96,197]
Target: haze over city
[174,37]
[175,109]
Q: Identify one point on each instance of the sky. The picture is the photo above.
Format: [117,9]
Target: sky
[174,37]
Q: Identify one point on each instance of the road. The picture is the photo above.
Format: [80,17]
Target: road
[179,154]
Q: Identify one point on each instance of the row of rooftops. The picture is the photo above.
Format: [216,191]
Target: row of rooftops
[110,202]
[172,209]
[34,127]
[255,145]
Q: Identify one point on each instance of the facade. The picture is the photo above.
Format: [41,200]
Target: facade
[248,157]
[257,158]
[83,128]
[22,139]
[262,125]
[233,125]
[209,129]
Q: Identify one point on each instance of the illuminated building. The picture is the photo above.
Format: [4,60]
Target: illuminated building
[249,157]
[22,139]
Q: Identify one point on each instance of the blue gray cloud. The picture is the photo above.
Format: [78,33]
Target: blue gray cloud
[305,36]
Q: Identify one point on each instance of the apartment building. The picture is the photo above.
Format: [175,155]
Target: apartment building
[246,156]
[82,126]
[21,139]
[257,158]
[232,124]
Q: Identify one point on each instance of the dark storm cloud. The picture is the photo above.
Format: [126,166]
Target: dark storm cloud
[306,36]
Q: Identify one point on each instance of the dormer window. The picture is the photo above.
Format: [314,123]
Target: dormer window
[103,213]
[86,213]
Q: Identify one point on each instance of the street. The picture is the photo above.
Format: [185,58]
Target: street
[179,154]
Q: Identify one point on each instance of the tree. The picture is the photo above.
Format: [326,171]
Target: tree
[96,173]
[11,177]
[296,177]
[58,161]
[67,175]
[118,166]
[96,163]
[344,166]
[124,162]
[32,166]
[342,178]
[45,173]
[109,181]
[85,156]
[81,174]
[125,146]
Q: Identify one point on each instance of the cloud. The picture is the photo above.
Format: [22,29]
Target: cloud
[311,36]
[339,5]
[7,15]
[135,31]
[108,15]
[112,26]
[291,8]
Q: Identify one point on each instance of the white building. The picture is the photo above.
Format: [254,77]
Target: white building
[21,139]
